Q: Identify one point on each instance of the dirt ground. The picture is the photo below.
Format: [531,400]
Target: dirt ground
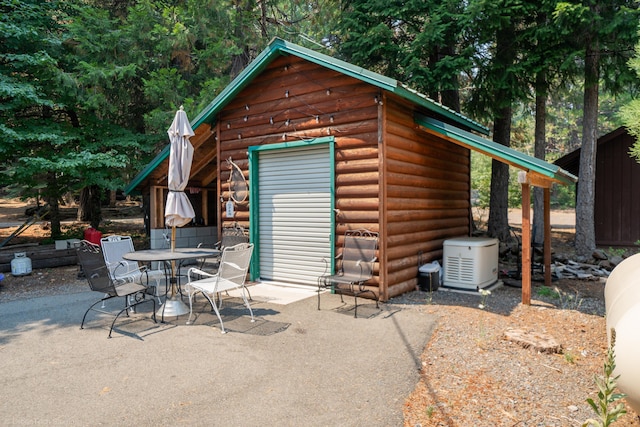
[471,374]
[125,218]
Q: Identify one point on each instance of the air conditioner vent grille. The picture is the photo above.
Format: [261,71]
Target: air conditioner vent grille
[461,269]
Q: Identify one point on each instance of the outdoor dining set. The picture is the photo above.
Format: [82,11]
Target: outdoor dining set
[115,269]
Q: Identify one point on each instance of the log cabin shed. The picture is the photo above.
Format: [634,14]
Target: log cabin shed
[326,146]
[617,207]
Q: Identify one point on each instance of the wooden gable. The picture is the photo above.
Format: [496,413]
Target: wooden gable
[294,100]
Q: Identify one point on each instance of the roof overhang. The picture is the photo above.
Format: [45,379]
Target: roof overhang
[571,161]
[539,172]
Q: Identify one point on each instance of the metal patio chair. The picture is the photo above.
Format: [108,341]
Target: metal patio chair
[95,270]
[231,236]
[232,274]
[355,267]
[113,248]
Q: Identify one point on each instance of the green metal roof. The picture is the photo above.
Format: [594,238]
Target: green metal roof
[279,47]
[498,151]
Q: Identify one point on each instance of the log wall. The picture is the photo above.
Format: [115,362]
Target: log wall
[427,196]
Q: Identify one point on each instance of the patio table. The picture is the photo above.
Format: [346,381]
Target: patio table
[173,306]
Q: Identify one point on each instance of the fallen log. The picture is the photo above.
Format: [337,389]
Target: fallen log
[43,256]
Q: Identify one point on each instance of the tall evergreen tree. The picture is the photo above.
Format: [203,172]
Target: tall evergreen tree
[416,42]
[38,119]
[496,31]
[544,54]
[54,143]
[604,34]
[630,112]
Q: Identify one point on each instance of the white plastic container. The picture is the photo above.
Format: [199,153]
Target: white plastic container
[20,264]
[622,289]
[627,350]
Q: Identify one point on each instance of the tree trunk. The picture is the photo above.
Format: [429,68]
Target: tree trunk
[89,207]
[498,223]
[540,137]
[585,204]
[51,199]
[54,217]
[448,97]
[263,19]
[242,32]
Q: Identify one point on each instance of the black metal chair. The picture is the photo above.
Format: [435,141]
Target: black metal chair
[95,270]
[355,267]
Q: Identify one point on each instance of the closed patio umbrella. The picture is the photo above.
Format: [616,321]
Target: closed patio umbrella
[178,210]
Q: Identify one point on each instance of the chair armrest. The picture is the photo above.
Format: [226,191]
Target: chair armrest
[362,275]
[194,270]
[121,281]
[326,263]
[216,245]
[326,266]
[208,245]
[123,269]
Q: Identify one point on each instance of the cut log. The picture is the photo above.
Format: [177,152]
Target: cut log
[542,343]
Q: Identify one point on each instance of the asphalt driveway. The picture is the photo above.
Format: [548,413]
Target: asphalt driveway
[294,366]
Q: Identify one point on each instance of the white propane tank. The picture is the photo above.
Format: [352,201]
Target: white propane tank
[627,350]
[622,302]
[20,264]
[620,281]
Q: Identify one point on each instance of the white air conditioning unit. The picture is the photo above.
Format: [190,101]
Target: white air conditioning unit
[470,262]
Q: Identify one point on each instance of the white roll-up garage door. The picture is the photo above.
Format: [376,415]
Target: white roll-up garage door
[294,213]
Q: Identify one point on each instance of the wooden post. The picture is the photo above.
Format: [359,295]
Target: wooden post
[205,207]
[547,236]
[526,238]
[157,207]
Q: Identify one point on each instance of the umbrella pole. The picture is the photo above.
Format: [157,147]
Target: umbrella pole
[174,281]
[173,306]
[173,263]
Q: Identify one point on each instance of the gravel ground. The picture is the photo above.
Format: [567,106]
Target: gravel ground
[42,282]
[473,376]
